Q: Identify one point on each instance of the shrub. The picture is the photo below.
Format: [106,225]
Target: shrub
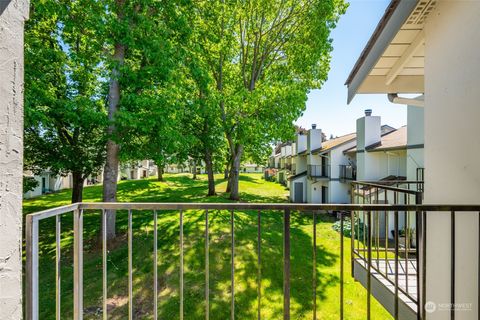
[29,184]
[360,228]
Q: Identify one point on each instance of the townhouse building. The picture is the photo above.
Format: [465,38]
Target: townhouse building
[318,167]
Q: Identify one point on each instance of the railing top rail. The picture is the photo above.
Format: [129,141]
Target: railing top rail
[277,206]
[389,181]
[248,206]
[386,187]
[53,212]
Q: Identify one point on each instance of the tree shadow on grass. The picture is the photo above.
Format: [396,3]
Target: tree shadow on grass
[194,267]
[194,259]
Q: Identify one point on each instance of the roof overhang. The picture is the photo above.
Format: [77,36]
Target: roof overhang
[393,59]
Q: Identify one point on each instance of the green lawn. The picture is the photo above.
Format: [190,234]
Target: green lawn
[180,188]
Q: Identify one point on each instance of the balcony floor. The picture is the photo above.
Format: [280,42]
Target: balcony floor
[384,291]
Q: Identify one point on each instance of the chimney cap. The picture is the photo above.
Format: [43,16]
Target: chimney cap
[314,126]
[368,112]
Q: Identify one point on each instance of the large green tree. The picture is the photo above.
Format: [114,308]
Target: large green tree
[265,56]
[203,124]
[143,45]
[64,103]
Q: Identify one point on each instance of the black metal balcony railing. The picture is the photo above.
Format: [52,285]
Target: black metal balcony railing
[347,172]
[318,171]
[363,242]
[420,178]
[381,247]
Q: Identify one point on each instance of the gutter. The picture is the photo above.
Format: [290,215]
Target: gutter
[394,98]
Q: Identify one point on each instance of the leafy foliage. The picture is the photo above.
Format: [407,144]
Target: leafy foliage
[192,79]
[29,184]
[360,228]
[152,80]
[265,56]
[64,97]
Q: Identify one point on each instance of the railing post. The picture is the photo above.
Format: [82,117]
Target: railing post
[286,264]
[424,260]
[452,265]
[396,262]
[352,242]
[418,239]
[341,266]
[104,265]
[418,197]
[78,264]
[232,262]
[369,263]
[31,235]
[58,258]
[130,266]
[207,270]
[155,265]
[314,280]
[259,264]
[181,264]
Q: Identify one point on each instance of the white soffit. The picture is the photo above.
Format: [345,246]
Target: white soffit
[400,68]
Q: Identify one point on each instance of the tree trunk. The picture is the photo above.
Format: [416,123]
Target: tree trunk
[230,174]
[110,173]
[235,173]
[160,173]
[226,174]
[211,177]
[194,170]
[77,191]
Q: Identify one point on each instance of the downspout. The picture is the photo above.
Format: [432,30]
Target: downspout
[394,98]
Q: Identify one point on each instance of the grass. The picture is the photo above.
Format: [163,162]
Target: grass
[181,188]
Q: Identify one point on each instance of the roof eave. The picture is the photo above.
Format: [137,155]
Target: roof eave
[395,16]
[396,148]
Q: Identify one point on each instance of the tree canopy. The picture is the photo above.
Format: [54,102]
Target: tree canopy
[112,80]
[65,112]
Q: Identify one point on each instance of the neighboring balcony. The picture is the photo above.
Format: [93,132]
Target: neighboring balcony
[388,247]
[347,173]
[318,171]
[288,166]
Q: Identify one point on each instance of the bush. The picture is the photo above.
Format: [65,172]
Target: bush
[29,184]
[360,228]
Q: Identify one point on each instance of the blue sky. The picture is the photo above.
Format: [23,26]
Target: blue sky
[327,107]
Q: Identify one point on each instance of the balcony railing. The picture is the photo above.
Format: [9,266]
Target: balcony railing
[382,246]
[318,171]
[363,245]
[347,172]
[420,178]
